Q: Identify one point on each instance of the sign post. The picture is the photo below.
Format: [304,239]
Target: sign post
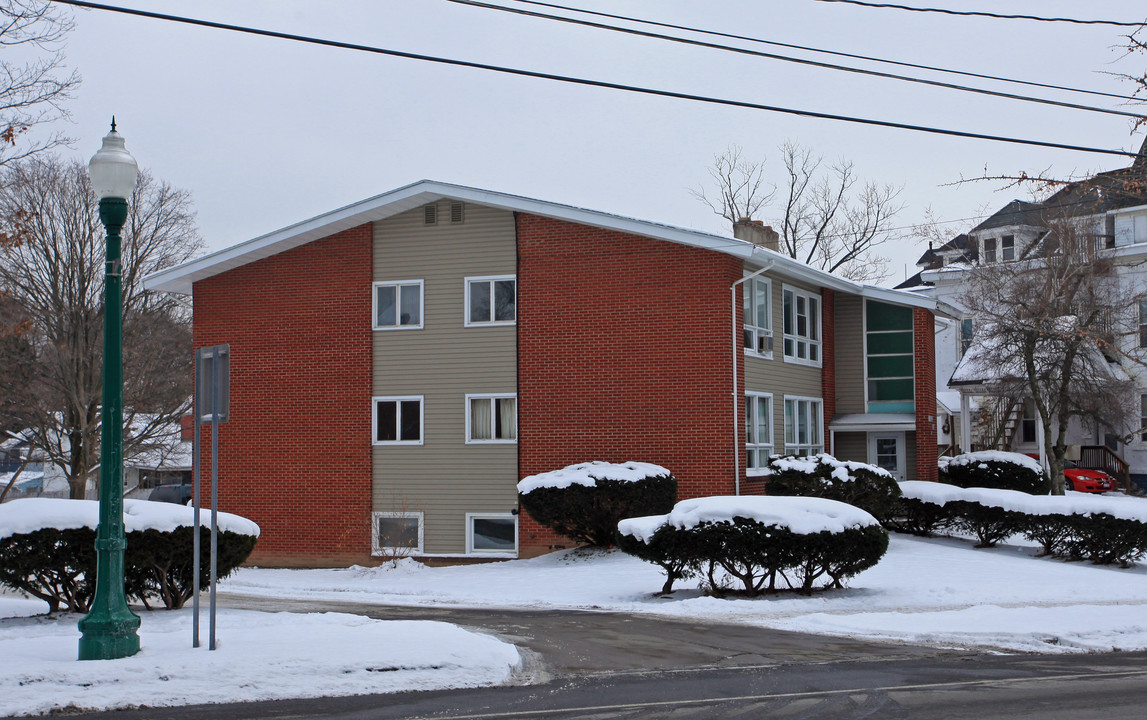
[212,405]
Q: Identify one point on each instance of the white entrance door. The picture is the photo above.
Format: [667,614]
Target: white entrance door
[886,450]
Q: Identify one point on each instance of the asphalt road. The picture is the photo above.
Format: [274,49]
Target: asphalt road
[609,665]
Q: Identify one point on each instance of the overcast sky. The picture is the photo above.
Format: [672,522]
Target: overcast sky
[267,132]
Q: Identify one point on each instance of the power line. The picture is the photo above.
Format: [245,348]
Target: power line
[978,13]
[592,83]
[822,51]
[799,61]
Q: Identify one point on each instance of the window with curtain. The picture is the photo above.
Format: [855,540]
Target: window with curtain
[758,430]
[801,326]
[492,418]
[758,317]
[803,427]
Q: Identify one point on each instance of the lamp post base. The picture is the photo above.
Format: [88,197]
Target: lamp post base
[109,636]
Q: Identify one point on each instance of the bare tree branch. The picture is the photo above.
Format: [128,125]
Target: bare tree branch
[51,318]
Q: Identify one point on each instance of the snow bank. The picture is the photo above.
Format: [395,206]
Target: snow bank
[1016,501]
[589,473]
[31,514]
[801,515]
[260,656]
[982,456]
[808,465]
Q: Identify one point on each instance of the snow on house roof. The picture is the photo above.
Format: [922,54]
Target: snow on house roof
[181,278]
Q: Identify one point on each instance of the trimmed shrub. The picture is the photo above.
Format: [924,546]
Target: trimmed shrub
[752,540]
[865,486]
[584,502]
[160,563]
[989,524]
[920,517]
[995,469]
[1104,539]
[51,565]
[1050,531]
[58,565]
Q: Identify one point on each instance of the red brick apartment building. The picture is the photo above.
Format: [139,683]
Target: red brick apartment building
[399,364]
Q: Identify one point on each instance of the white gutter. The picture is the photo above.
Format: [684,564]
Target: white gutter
[738,348]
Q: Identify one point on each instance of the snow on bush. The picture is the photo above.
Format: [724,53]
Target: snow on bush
[995,469]
[29,514]
[1105,530]
[868,487]
[756,539]
[589,473]
[47,550]
[584,502]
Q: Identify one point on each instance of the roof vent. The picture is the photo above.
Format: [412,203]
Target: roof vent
[456,212]
[430,214]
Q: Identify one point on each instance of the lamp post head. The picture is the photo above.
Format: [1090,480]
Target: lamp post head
[113,170]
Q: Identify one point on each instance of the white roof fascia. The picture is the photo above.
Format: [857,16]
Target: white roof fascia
[180,278]
[1120,211]
[873,422]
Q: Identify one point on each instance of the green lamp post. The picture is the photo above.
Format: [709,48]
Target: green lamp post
[109,630]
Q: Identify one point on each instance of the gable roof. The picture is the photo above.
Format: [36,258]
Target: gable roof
[180,278]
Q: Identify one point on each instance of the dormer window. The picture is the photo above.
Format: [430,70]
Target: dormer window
[1008,248]
[989,250]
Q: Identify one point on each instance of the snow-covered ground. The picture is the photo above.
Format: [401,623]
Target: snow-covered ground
[936,591]
[260,656]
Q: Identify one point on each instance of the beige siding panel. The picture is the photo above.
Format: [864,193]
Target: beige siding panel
[851,446]
[445,478]
[777,376]
[849,354]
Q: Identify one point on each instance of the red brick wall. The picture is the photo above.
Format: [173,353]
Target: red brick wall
[828,362]
[295,456]
[624,353]
[924,354]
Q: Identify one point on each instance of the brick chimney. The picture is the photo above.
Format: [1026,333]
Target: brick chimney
[758,233]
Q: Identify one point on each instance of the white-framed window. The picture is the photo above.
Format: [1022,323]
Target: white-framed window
[1028,424]
[967,334]
[397,420]
[989,250]
[758,431]
[804,422]
[802,327]
[491,300]
[492,418]
[759,317]
[1008,248]
[393,533]
[1143,417]
[397,305]
[491,533]
[1143,323]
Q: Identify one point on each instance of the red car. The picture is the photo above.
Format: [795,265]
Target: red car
[1084,480]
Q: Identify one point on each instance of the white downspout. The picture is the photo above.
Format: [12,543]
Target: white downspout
[738,349]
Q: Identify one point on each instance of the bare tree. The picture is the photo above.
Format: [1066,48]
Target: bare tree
[51,271]
[32,90]
[1048,328]
[740,186]
[826,218]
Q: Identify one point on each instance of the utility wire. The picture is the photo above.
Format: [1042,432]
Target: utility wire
[591,83]
[979,13]
[787,58]
[822,51]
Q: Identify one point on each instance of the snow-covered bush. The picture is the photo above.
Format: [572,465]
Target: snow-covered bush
[584,502]
[47,550]
[868,487]
[758,540]
[1076,526]
[994,469]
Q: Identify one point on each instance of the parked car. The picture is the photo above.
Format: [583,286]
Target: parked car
[175,493]
[1087,480]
